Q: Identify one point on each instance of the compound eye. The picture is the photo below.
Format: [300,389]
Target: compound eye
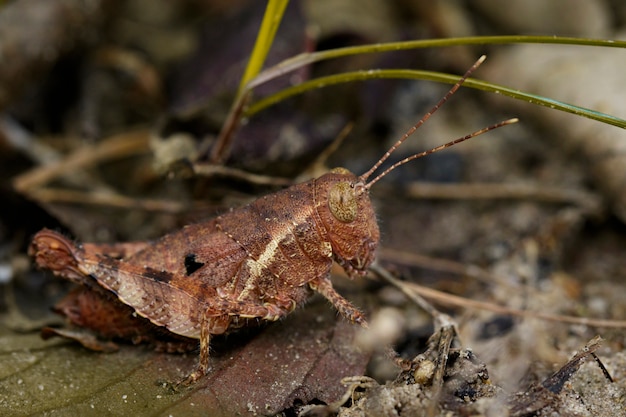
[342,202]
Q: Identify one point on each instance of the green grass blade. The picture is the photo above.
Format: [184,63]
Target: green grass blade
[308,58]
[430,76]
[271,20]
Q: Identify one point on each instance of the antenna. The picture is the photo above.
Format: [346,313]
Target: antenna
[363,178]
[438,148]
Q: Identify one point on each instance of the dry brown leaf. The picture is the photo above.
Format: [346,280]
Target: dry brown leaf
[295,361]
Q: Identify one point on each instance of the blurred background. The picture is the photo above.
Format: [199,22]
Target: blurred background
[106,106]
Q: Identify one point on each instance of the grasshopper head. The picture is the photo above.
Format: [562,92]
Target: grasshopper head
[344,206]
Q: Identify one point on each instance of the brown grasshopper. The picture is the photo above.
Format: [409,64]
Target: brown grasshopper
[260,261]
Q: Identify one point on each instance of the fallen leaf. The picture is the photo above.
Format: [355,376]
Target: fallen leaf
[291,362]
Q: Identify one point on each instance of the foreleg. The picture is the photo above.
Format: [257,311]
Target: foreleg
[325,287]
